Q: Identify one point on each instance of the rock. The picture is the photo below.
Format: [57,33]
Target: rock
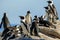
[47,37]
[50,31]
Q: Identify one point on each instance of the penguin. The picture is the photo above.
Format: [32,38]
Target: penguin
[48,13]
[46,23]
[18,30]
[34,26]
[7,34]
[28,17]
[23,20]
[28,20]
[23,25]
[5,21]
[53,8]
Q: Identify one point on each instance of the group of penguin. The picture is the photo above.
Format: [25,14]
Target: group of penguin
[27,26]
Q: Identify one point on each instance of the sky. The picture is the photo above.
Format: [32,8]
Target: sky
[16,8]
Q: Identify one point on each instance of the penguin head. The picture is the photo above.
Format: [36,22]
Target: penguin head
[46,7]
[49,1]
[35,16]
[28,12]
[5,14]
[21,17]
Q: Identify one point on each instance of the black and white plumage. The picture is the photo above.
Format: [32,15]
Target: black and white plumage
[18,30]
[7,34]
[48,14]
[5,21]
[23,21]
[53,8]
[45,23]
[28,20]
[46,8]
[49,1]
[34,27]
[28,17]
[24,26]
[4,32]
[51,12]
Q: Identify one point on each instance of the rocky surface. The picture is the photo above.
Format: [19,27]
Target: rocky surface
[45,34]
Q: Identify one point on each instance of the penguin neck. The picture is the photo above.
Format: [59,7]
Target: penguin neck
[23,20]
[28,14]
[51,3]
